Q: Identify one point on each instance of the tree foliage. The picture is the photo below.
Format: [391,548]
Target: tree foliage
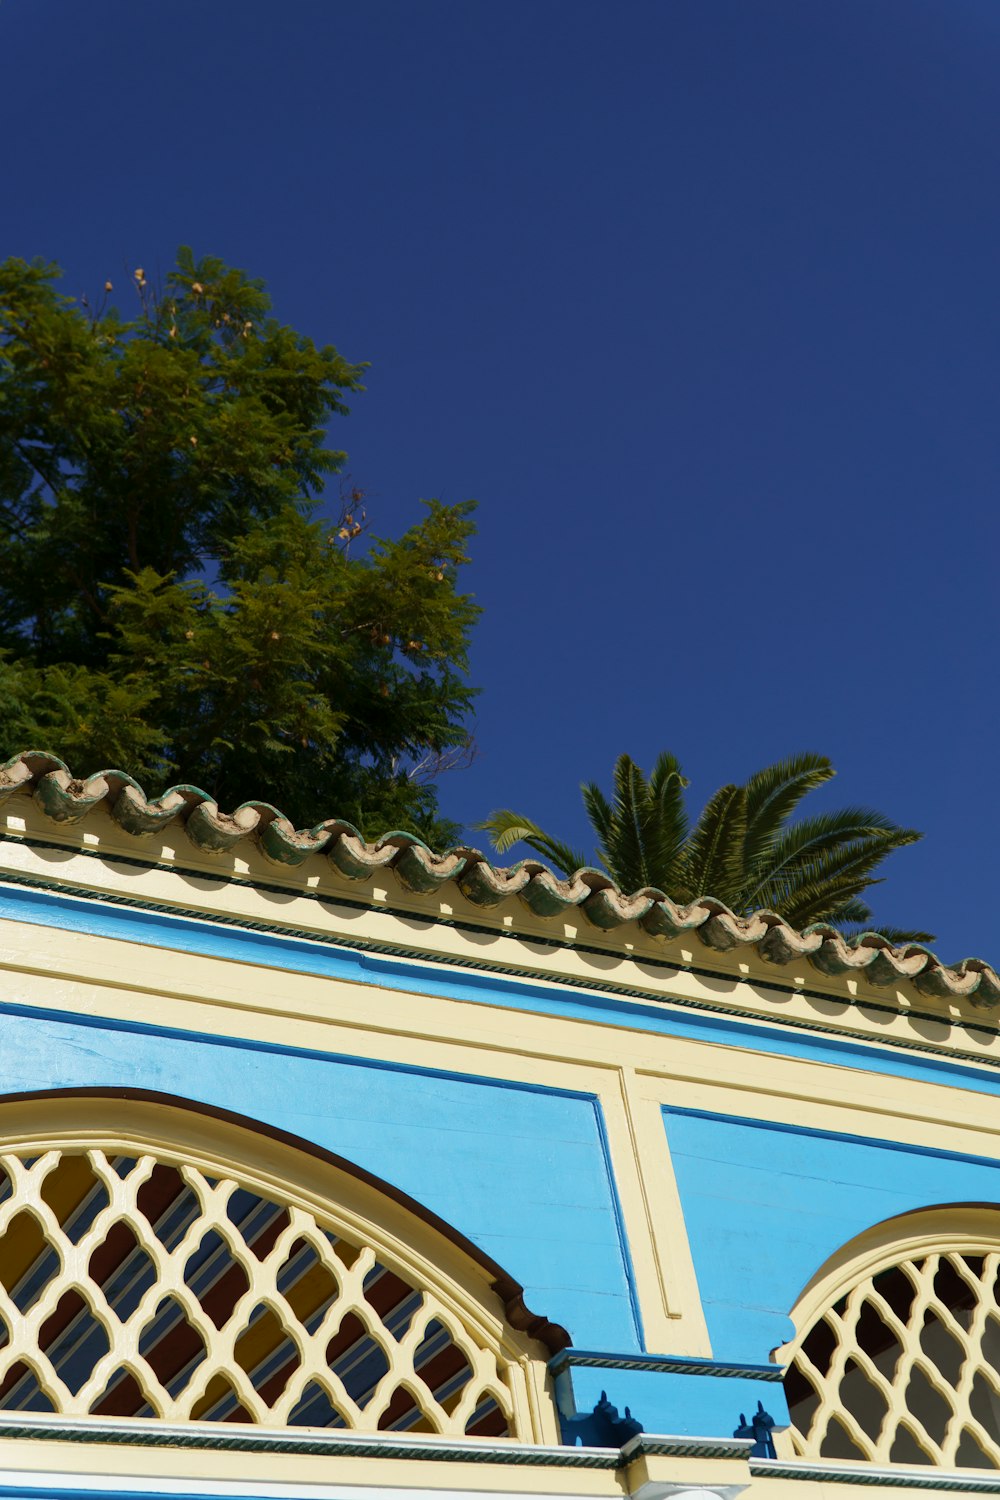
[174,595]
[747,847]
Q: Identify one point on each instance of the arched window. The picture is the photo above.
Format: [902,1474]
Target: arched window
[896,1357]
[159,1263]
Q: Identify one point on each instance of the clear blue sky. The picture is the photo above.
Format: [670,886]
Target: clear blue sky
[698,298]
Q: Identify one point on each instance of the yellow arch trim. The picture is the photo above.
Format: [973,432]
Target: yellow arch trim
[962,1227]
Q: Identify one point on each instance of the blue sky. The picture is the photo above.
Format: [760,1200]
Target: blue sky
[698,298]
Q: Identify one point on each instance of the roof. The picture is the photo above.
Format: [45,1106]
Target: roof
[68,800]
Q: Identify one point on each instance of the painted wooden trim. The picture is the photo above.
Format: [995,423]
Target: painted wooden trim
[219,1438]
[867,1476]
[664,1364]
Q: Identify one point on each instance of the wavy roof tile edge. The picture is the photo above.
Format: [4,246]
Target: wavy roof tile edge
[66,799]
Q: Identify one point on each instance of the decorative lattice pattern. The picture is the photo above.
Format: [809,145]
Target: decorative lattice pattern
[905,1368]
[141,1287]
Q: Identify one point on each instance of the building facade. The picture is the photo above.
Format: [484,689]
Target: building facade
[330,1168]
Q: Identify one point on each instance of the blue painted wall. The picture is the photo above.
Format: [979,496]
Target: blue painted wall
[682,1405]
[521,1171]
[765,1206]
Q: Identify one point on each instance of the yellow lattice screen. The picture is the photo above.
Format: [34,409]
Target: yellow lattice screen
[904,1368]
[138,1286]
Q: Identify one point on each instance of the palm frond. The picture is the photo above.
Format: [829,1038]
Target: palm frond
[826,900]
[601,815]
[899,937]
[507,828]
[853,912]
[798,853]
[814,893]
[773,794]
[812,838]
[666,776]
[626,853]
[713,863]
[668,828]
[817,891]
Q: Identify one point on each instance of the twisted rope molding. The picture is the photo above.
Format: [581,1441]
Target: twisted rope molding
[142,1433]
[965,1481]
[214,1436]
[66,799]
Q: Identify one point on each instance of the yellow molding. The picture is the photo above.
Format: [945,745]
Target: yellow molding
[81,960]
[99,977]
[662,1473]
[648,1190]
[813,1096]
[147,1465]
[771,1487]
[51,1462]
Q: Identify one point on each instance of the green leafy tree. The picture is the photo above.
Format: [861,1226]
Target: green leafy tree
[175,599]
[746,847]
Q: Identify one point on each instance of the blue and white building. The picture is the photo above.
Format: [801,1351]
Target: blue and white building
[331,1169]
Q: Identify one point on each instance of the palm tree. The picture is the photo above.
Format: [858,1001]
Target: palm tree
[745,849]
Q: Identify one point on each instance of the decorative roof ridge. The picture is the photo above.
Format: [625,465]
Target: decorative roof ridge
[67,799]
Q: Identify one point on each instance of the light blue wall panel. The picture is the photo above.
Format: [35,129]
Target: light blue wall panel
[521,1171]
[766,1205]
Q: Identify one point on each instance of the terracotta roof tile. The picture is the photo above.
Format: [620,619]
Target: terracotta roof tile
[591,893]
